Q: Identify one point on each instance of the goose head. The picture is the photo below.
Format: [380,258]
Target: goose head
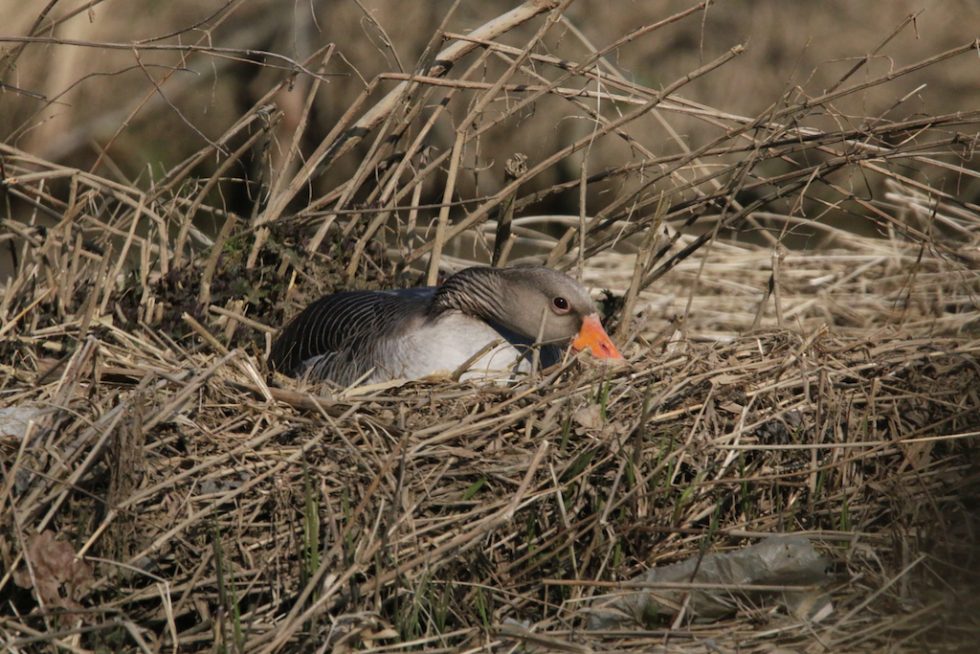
[537,303]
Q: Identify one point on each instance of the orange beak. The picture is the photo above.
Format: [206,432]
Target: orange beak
[594,338]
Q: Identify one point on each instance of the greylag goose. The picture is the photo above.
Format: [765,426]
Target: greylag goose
[373,336]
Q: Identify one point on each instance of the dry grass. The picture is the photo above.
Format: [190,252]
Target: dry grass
[170,495]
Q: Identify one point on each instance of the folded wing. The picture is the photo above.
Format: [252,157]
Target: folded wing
[340,337]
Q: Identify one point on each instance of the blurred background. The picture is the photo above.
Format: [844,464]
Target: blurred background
[71,97]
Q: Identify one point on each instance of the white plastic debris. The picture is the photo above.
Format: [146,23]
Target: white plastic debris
[14,420]
[715,585]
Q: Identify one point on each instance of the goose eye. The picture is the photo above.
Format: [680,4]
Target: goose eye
[561,304]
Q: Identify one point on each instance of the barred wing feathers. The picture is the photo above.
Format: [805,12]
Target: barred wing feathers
[341,336]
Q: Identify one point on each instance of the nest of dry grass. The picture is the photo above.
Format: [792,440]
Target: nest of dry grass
[163,492]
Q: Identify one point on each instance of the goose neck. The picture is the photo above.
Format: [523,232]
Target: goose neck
[475,291]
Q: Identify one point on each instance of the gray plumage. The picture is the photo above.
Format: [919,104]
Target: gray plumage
[381,335]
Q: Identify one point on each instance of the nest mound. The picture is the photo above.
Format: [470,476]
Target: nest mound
[209,500]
